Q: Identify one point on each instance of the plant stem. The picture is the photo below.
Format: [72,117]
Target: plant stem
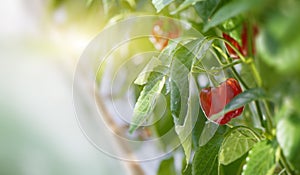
[132,167]
[231,64]
[260,115]
[269,118]
[197,69]
[227,42]
[221,52]
[285,164]
[250,38]
[255,74]
[235,73]
[266,124]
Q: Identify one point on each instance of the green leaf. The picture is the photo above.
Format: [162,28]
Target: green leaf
[241,100]
[184,5]
[271,170]
[144,75]
[184,131]
[199,126]
[187,170]
[230,10]
[209,130]
[147,99]
[260,160]
[179,72]
[184,93]
[162,115]
[164,58]
[205,160]
[167,167]
[244,98]
[235,167]
[167,54]
[160,4]
[288,129]
[179,87]
[154,76]
[237,142]
[186,167]
[206,9]
[234,28]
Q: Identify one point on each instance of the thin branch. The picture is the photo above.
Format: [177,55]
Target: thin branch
[133,167]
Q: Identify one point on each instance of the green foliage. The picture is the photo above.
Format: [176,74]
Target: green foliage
[209,130]
[271,72]
[185,131]
[144,75]
[288,137]
[205,160]
[216,152]
[180,69]
[260,160]
[236,143]
[187,170]
[206,9]
[230,10]
[160,4]
[198,128]
[162,115]
[167,167]
[147,99]
[235,167]
[184,5]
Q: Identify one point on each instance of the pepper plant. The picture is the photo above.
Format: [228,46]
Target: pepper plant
[232,94]
[256,37]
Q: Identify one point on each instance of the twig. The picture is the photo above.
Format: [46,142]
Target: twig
[132,167]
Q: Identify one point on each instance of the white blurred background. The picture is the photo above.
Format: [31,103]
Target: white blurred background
[39,133]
